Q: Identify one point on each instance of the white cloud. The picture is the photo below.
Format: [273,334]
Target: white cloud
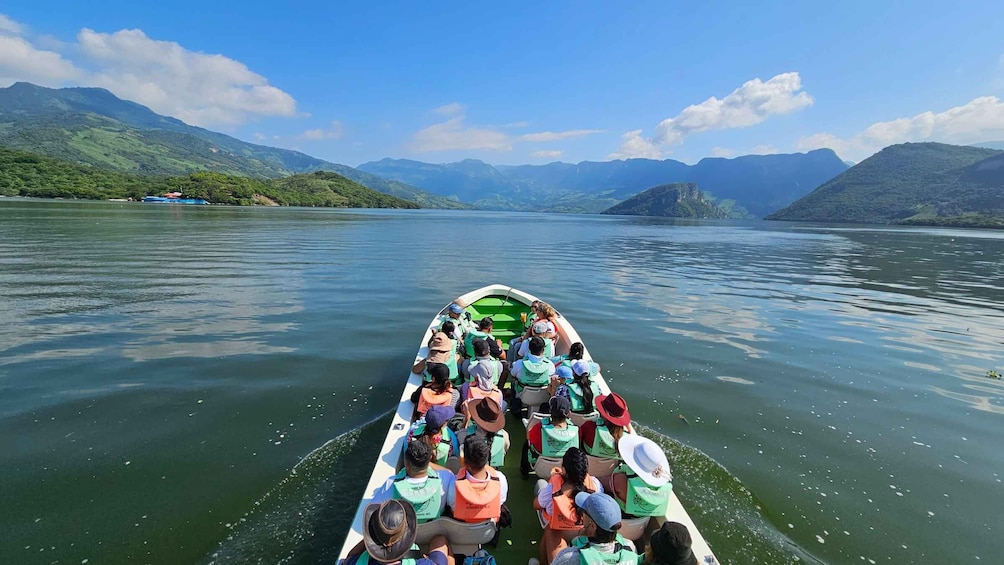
[9,26]
[455,135]
[979,120]
[721,152]
[451,109]
[547,136]
[635,146]
[766,149]
[258,136]
[21,61]
[335,131]
[750,104]
[547,154]
[198,88]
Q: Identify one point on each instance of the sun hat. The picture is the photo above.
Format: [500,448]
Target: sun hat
[440,347]
[540,327]
[456,308]
[581,367]
[390,530]
[437,416]
[564,372]
[613,408]
[671,544]
[602,509]
[645,458]
[488,414]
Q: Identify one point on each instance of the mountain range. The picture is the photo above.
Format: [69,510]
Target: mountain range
[92,126]
[912,183]
[676,200]
[749,185]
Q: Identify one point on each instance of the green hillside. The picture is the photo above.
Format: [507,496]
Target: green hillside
[28,174]
[676,200]
[91,126]
[912,183]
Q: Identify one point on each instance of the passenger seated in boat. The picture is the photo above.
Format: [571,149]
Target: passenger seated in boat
[482,387]
[438,392]
[600,439]
[480,490]
[600,542]
[582,391]
[541,329]
[531,319]
[534,369]
[670,545]
[442,350]
[483,331]
[418,483]
[484,364]
[462,320]
[551,437]
[486,419]
[555,498]
[433,431]
[641,485]
[389,531]
[576,352]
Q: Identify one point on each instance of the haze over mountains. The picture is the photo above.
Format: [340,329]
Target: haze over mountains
[759,184]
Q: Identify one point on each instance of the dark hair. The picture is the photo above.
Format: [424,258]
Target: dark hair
[603,536]
[486,323]
[555,414]
[440,374]
[576,351]
[448,328]
[482,348]
[616,431]
[585,385]
[476,452]
[536,345]
[417,454]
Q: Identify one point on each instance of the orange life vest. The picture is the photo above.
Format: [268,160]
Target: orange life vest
[563,517]
[428,399]
[478,501]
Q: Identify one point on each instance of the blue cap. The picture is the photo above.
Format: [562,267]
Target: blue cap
[582,367]
[601,508]
[456,308]
[565,372]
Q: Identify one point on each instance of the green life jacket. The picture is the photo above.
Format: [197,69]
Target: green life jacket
[410,558]
[497,446]
[642,499]
[577,399]
[548,347]
[469,340]
[603,444]
[494,366]
[426,497]
[556,441]
[536,373]
[589,555]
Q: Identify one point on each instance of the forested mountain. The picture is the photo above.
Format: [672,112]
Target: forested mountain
[676,200]
[913,183]
[92,126]
[28,174]
[757,183]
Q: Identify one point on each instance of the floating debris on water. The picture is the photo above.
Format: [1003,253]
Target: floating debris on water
[991,374]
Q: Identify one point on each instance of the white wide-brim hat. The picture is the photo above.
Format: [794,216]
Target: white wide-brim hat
[645,458]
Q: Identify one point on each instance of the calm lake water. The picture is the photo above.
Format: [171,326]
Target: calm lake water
[170,377]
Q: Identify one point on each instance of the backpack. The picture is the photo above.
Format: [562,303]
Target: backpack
[480,557]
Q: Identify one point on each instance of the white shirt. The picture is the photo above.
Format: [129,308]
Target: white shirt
[546,495]
[386,491]
[518,365]
[451,495]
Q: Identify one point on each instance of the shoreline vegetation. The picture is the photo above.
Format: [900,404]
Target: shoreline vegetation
[31,175]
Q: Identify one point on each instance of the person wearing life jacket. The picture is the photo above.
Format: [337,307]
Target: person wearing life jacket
[480,490]
[461,320]
[670,545]
[550,437]
[600,439]
[641,485]
[432,429]
[439,391]
[486,419]
[541,329]
[599,543]
[582,390]
[556,500]
[389,532]
[483,331]
[424,487]
[442,350]
[483,364]
[576,352]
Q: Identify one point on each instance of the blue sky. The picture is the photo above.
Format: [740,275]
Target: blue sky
[533,82]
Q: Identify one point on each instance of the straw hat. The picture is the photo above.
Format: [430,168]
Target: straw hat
[645,458]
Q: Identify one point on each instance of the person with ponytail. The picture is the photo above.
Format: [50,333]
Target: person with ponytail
[582,390]
[556,500]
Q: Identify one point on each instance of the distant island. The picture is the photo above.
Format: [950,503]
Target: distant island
[676,200]
[28,174]
[913,184]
